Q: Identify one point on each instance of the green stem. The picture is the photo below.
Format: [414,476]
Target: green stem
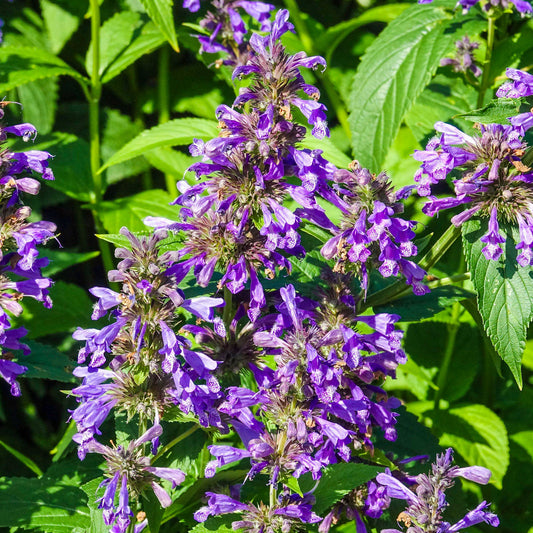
[430,259]
[173,443]
[485,80]
[453,328]
[95,91]
[94,102]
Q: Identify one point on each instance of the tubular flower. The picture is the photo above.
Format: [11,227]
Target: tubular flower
[494,181]
[425,511]
[20,265]
[370,233]
[130,472]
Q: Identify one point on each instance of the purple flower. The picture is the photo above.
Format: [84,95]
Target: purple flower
[520,86]
[521,5]
[464,59]
[9,370]
[370,233]
[425,507]
[131,468]
[494,182]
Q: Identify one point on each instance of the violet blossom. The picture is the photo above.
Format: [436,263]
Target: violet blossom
[427,504]
[20,264]
[494,182]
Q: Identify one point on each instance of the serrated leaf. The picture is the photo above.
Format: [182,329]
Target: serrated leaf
[334,35]
[160,11]
[495,112]
[505,292]
[392,73]
[46,362]
[478,434]
[169,161]
[338,480]
[116,35]
[309,267]
[132,210]
[442,99]
[330,151]
[22,64]
[42,503]
[177,132]
[145,40]
[97,520]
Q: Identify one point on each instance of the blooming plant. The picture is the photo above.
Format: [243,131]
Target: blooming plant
[291,261]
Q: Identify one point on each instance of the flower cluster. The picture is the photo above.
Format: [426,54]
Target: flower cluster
[370,233]
[150,366]
[493,181]
[235,219]
[425,511]
[464,59]
[20,264]
[129,471]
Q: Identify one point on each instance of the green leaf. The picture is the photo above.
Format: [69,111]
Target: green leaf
[62,259]
[97,520]
[338,480]
[46,362]
[60,22]
[169,161]
[505,292]
[177,132]
[119,129]
[132,210]
[116,35]
[334,35]
[160,11]
[293,484]
[221,524]
[496,111]
[330,151]
[414,308]
[478,434]
[392,73]
[26,461]
[42,503]
[21,64]
[145,40]
[309,267]
[72,307]
[524,439]
[442,99]
[464,363]
[39,102]
[71,164]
